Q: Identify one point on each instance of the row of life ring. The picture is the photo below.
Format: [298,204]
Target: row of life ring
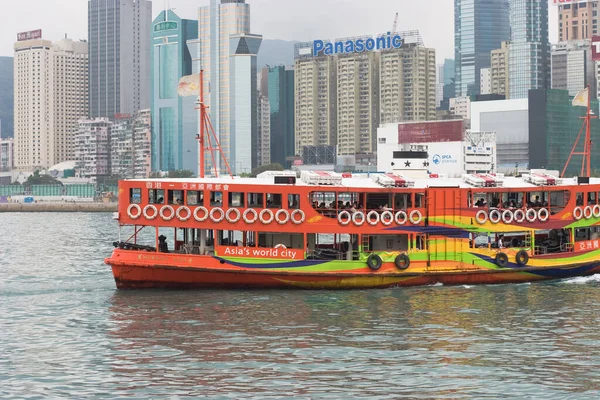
[201,214]
[510,216]
[386,218]
[586,212]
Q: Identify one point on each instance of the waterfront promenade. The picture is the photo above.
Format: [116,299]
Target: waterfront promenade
[59,207]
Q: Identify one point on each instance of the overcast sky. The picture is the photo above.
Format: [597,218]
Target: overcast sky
[274,19]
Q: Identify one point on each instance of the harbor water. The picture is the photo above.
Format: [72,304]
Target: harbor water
[66,332]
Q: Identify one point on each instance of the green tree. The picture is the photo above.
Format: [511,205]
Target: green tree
[37,179]
[181,173]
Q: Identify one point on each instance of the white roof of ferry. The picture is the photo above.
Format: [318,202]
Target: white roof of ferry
[364,181]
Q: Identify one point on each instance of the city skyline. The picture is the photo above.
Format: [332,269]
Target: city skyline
[274,19]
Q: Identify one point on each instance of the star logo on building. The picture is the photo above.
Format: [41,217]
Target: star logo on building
[425,163]
[407,164]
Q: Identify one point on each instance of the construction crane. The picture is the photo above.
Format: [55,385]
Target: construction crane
[395,24]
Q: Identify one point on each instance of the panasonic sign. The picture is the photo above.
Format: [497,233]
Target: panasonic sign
[384,42]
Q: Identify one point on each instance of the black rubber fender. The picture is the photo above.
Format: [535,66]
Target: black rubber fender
[522,258]
[501,260]
[402,261]
[374,262]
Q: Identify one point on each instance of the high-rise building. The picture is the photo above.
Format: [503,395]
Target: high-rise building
[121,146]
[119,64]
[92,147]
[439,85]
[263,143]
[480,26]
[174,118]
[572,66]
[6,154]
[142,139]
[407,84]
[577,20]
[357,103]
[48,103]
[316,98]
[280,90]
[529,50]
[499,70]
[227,48]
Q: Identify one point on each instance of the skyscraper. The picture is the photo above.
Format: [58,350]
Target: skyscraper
[572,66]
[280,89]
[48,103]
[119,61]
[529,50]
[577,20]
[174,118]
[480,26]
[220,25]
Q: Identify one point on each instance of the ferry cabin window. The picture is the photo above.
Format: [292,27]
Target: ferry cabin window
[579,198]
[175,196]
[323,200]
[480,200]
[135,196]
[273,200]
[236,199]
[402,201]
[216,199]
[558,201]
[592,198]
[195,198]
[256,200]
[156,196]
[293,201]
[537,199]
[419,200]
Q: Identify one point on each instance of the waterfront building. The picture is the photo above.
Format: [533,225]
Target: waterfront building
[480,26]
[499,70]
[6,154]
[121,146]
[461,107]
[92,148]
[407,82]
[227,54]
[357,103]
[263,143]
[280,89]
[577,20]
[142,149]
[529,50]
[48,103]
[174,118]
[572,67]
[119,63]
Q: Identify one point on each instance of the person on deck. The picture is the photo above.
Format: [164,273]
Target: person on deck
[500,242]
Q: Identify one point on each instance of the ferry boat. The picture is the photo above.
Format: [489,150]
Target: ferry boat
[324,230]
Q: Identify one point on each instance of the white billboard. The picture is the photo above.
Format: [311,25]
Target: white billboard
[446,158]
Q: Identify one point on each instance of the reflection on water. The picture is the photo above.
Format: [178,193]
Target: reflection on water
[66,332]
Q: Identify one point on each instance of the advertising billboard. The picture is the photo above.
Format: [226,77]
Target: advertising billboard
[37,34]
[563,2]
[446,158]
[596,48]
[434,131]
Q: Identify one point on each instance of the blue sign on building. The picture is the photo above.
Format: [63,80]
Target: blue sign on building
[385,42]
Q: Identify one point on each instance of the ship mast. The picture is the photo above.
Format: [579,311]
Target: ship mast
[587,145]
[206,126]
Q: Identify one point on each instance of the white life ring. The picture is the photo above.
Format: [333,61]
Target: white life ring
[358,218]
[167,217]
[235,219]
[302,217]
[417,220]
[254,216]
[154,212]
[507,217]
[286,217]
[370,214]
[495,216]
[188,213]
[543,214]
[215,211]
[596,211]
[481,217]
[137,209]
[519,216]
[266,220]
[280,245]
[204,217]
[401,218]
[344,217]
[531,215]
[387,218]
[578,213]
[588,212]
